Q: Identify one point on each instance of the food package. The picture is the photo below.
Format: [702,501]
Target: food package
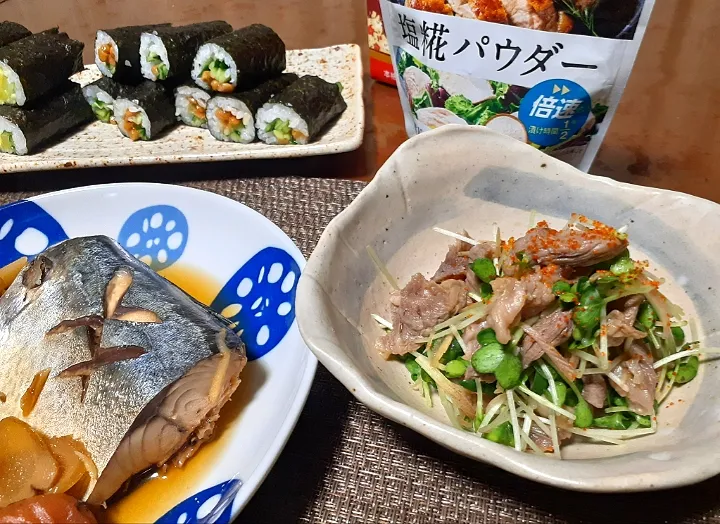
[381,68]
[547,72]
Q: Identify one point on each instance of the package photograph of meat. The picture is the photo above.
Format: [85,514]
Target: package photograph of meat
[393,261]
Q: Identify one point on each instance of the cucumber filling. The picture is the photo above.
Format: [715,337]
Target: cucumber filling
[7,144]
[103,111]
[217,76]
[159,68]
[7,90]
[218,70]
[283,132]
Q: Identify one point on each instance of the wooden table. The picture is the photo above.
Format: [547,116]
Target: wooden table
[664,134]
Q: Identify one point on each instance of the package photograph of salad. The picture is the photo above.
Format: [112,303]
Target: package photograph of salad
[546,72]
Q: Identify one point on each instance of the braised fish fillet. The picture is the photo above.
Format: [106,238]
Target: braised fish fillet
[138,369]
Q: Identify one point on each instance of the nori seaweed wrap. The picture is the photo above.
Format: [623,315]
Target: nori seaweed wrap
[37,64]
[231,117]
[24,129]
[239,60]
[145,113]
[101,95]
[117,52]
[300,112]
[11,32]
[168,52]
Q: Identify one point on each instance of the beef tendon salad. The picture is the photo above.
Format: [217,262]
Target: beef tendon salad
[530,341]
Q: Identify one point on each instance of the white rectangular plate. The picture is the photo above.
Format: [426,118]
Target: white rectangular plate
[100,145]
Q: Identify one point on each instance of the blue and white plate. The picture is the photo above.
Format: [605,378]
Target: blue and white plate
[248,269]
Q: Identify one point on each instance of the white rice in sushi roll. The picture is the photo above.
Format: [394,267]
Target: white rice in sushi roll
[205,56]
[121,107]
[271,112]
[230,120]
[186,98]
[15,134]
[151,44]
[16,93]
[101,39]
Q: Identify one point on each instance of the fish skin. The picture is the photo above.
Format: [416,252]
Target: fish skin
[117,393]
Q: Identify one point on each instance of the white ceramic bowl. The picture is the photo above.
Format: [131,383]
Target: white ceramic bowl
[241,259]
[460,177]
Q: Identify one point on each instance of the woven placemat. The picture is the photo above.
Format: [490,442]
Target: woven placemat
[344,463]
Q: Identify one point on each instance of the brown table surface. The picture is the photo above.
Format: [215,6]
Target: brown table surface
[664,135]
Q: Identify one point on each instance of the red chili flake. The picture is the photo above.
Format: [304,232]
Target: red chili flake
[542,223]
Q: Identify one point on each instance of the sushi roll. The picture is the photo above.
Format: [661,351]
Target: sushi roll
[146,113]
[300,112]
[37,64]
[24,129]
[117,52]
[11,32]
[231,118]
[168,52]
[239,60]
[191,105]
[101,95]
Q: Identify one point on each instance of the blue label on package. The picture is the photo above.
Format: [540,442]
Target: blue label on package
[554,110]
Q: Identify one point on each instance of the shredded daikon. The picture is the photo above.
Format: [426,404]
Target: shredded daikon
[603,338]
[450,410]
[551,383]
[582,368]
[527,440]
[436,355]
[583,433]
[618,434]
[462,238]
[682,354]
[475,296]
[541,400]
[587,356]
[382,268]
[492,409]
[513,419]
[459,339]
[529,410]
[459,395]
[554,436]
[380,320]
[501,419]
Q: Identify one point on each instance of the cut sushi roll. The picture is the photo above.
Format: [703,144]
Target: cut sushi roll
[168,52]
[22,130]
[144,116]
[101,95]
[12,32]
[35,65]
[117,52]
[191,106]
[240,59]
[231,118]
[300,112]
